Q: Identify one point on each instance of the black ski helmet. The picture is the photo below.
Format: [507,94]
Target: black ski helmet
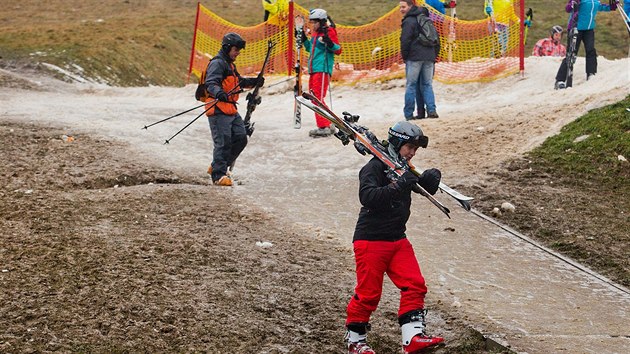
[232,39]
[405,133]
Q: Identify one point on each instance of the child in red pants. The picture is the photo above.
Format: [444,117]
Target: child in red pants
[381,245]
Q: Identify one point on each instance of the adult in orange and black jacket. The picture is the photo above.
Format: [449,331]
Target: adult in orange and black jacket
[223,83]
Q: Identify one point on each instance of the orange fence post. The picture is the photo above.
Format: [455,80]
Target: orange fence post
[521,50]
[192,50]
[290,27]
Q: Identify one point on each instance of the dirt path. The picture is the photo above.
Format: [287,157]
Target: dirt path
[302,193]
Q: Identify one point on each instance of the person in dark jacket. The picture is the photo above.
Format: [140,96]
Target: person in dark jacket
[583,13]
[419,60]
[223,84]
[381,245]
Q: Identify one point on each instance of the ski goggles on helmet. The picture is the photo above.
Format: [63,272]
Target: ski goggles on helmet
[415,140]
[420,141]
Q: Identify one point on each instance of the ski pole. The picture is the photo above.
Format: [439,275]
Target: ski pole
[173,116]
[280,82]
[624,17]
[231,92]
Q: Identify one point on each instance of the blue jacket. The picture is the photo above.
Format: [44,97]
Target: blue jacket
[437,4]
[587,10]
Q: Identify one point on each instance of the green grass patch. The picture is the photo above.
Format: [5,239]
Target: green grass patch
[593,147]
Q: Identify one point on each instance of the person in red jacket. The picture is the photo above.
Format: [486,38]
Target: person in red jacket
[381,246]
[322,48]
[551,46]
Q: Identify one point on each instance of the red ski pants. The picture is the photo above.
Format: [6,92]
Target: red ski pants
[373,260]
[318,83]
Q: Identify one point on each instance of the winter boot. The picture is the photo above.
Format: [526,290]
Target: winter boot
[223,181]
[413,337]
[356,338]
[433,115]
[320,132]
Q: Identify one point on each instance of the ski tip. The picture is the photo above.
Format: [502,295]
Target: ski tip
[465,204]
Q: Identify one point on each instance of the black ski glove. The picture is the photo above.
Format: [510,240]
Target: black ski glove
[430,180]
[613,4]
[327,41]
[252,81]
[302,35]
[222,96]
[406,181]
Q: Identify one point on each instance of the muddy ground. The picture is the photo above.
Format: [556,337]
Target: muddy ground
[103,252]
[100,253]
[571,215]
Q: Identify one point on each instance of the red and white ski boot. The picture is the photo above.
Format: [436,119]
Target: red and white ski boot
[420,342]
[356,338]
[359,348]
[414,340]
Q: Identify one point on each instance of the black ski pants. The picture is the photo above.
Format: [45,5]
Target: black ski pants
[229,138]
[588,37]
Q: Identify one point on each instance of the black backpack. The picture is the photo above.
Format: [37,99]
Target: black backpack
[201,94]
[427,34]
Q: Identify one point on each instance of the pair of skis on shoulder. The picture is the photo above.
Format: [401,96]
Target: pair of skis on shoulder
[367,143]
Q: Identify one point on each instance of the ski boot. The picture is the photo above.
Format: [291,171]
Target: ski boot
[320,132]
[223,181]
[414,340]
[356,338]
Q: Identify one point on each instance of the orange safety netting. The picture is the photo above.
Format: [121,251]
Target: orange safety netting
[481,50]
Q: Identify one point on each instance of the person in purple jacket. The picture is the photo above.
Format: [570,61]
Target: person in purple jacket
[583,16]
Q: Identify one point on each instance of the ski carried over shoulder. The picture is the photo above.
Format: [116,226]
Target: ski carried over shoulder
[253,98]
[297,89]
[367,143]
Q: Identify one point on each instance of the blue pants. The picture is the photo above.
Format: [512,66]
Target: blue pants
[229,138]
[419,71]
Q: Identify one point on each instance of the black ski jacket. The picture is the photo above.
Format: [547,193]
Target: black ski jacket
[410,47]
[385,210]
